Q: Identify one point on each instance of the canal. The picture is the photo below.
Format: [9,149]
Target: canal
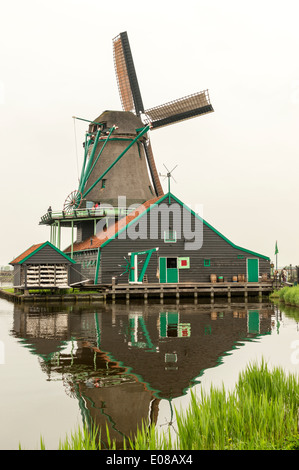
[62,365]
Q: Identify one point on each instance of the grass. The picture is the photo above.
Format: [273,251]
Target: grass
[290,295]
[261,413]
[75,291]
[274,295]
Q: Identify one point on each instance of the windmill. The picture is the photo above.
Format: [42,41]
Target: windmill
[113,167]
[159,116]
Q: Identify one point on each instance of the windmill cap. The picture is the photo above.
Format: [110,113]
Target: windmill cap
[125,122]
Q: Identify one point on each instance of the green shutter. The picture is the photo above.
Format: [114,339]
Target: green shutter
[162,269]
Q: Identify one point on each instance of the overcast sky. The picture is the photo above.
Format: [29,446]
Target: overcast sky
[240,162]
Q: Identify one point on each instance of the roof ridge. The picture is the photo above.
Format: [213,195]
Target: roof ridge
[95,241]
[26,253]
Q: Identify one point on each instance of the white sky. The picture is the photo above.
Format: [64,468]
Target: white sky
[240,162]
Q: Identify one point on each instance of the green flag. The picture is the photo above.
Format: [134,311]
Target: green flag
[276,248]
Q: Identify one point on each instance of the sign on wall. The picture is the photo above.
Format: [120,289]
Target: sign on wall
[184,263]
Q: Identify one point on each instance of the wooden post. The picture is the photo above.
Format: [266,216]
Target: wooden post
[260,294]
[212,294]
[229,293]
[245,293]
[72,245]
[161,295]
[58,235]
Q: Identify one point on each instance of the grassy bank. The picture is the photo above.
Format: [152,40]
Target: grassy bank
[49,292]
[289,295]
[260,413]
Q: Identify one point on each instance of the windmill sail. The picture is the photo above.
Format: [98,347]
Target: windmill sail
[122,76]
[153,170]
[179,110]
[131,97]
[126,75]
[160,116]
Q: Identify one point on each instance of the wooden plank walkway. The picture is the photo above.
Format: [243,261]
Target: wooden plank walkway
[191,290]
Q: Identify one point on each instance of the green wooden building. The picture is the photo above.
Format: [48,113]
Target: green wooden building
[153,244]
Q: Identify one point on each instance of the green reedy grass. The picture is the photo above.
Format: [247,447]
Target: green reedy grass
[261,413]
[274,295]
[290,295]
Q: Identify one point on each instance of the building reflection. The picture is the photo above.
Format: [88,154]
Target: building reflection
[120,360]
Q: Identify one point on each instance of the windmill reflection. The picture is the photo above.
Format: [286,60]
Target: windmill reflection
[120,361]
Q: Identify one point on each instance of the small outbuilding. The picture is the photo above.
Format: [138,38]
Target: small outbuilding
[43,266]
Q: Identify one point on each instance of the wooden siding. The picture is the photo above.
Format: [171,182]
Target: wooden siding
[17,275]
[75,274]
[47,255]
[87,261]
[85,230]
[225,258]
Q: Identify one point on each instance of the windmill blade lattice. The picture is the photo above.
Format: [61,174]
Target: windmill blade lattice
[126,75]
[153,169]
[179,110]
[159,116]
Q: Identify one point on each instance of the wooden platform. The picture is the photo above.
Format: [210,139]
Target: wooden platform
[241,291]
[190,290]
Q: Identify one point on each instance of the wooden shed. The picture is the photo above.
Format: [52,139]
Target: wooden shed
[154,244]
[43,266]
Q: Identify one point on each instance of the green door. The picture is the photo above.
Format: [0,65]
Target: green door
[252,270]
[172,270]
[253,321]
[169,272]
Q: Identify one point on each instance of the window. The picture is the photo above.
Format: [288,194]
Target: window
[207,262]
[103,184]
[172,263]
[170,236]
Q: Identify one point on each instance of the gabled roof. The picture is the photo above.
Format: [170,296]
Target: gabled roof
[35,249]
[102,239]
[96,241]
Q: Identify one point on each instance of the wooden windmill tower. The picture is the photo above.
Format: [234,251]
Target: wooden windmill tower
[118,158]
[118,152]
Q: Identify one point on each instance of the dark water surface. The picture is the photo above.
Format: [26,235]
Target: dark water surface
[119,364]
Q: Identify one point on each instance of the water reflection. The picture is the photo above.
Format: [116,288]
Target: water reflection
[119,361]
